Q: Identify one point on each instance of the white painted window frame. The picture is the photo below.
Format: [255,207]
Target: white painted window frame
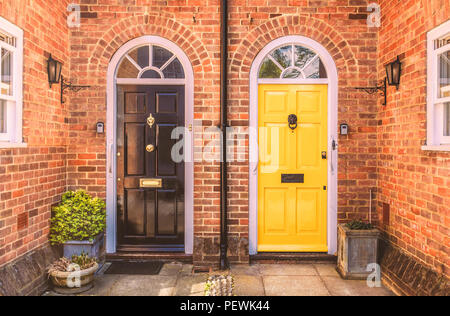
[111,185]
[436,141]
[333,84]
[13,137]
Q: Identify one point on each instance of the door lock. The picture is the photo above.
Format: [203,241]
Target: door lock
[324,155]
[293,122]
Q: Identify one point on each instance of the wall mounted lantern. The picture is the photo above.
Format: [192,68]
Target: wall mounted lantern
[54,68]
[54,71]
[393,74]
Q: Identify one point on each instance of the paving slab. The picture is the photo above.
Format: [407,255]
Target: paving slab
[171,269]
[242,269]
[248,285]
[339,287]
[326,270]
[288,269]
[192,285]
[144,285]
[295,286]
[102,285]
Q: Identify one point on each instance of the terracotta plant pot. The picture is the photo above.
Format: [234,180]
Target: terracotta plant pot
[63,281]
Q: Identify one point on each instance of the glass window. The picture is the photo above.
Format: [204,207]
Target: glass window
[3,127]
[174,70]
[11,64]
[164,65]
[444,75]
[438,68]
[447,119]
[6,72]
[160,56]
[292,62]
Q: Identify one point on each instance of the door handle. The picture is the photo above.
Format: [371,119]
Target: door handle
[150,148]
[111,159]
[257,160]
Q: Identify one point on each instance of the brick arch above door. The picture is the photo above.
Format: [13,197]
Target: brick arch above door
[323,33]
[158,25]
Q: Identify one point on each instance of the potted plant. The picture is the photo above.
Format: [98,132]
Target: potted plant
[358,249]
[78,223]
[73,276]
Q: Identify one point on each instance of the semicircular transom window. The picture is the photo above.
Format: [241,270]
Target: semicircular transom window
[150,62]
[292,62]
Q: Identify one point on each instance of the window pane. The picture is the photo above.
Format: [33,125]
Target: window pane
[283,56]
[447,119]
[303,56]
[6,78]
[3,116]
[127,70]
[141,56]
[151,74]
[160,56]
[269,70]
[174,70]
[444,75]
[292,73]
[5,38]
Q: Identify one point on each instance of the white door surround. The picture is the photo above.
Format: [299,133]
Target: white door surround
[112,81]
[332,82]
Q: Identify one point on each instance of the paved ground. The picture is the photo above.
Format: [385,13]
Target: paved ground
[255,280]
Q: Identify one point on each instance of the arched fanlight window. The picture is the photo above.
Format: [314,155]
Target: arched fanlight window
[150,62]
[292,62]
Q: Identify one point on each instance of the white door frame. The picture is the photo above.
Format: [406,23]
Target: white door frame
[332,82]
[111,134]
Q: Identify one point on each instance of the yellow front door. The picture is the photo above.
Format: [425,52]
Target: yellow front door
[292,181]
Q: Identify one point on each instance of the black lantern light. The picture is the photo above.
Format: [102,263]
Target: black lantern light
[54,68]
[394,72]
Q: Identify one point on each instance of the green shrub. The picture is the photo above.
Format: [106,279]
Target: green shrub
[78,217]
[359,225]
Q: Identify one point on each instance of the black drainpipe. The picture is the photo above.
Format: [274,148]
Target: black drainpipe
[224,126]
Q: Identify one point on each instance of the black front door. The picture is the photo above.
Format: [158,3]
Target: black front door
[150,185]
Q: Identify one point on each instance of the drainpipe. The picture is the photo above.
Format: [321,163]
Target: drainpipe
[224,126]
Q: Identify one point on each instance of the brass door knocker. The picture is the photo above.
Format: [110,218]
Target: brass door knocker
[151,121]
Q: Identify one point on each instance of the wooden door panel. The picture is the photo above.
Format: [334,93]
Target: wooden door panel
[293,216]
[135,137]
[149,218]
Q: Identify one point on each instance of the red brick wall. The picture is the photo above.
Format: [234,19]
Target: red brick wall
[414,183]
[32,179]
[339,25]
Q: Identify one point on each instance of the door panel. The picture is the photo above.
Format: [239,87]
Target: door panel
[149,218]
[292,216]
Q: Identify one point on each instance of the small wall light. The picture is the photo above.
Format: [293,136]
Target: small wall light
[54,69]
[394,72]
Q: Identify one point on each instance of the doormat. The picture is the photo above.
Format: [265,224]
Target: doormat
[135,268]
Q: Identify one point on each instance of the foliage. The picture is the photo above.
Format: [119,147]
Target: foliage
[79,217]
[359,225]
[82,261]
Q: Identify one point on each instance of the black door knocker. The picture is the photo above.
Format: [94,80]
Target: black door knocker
[293,122]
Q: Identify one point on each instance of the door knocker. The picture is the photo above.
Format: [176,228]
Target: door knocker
[293,122]
[151,121]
